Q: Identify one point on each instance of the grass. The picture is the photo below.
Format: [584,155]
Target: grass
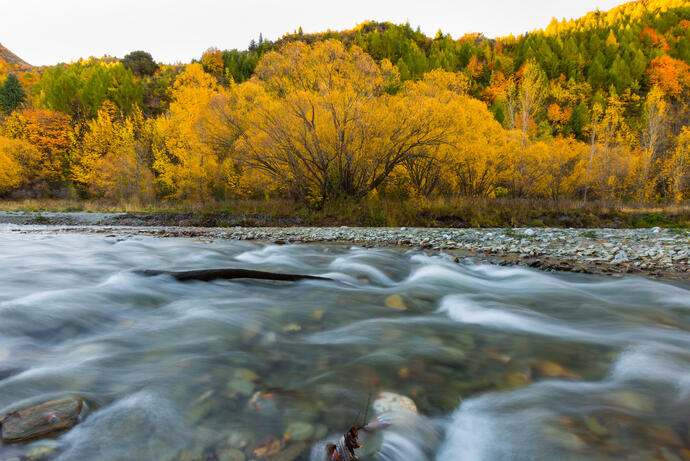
[441,212]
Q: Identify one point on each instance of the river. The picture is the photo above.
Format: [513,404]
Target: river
[502,363]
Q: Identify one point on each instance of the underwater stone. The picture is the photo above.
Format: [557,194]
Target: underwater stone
[41,420]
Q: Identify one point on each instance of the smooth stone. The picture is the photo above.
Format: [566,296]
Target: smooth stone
[516,379]
[231,454]
[565,439]
[292,328]
[290,453]
[633,401]
[245,374]
[241,387]
[199,412]
[390,401]
[550,369]
[395,302]
[239,439]
[299,431]
[594,426]
[41,420]
[664,435]
[270,447]
[39,452]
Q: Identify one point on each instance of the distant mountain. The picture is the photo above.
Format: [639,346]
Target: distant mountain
[7,57]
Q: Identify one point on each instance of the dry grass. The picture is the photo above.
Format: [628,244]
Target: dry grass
[439,212]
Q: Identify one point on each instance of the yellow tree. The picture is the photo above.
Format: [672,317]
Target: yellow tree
[613,132]
[17,158]
[523,102]
[187,168]
[677,167]
[113,159]
[561,162]
[595,115]
[474,148]
[212,61]
[654,115]
[323,123]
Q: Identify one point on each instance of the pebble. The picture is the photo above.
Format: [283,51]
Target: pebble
[395,302]
[390,401]
[550,369]
[231,454]
[299,431]
[241,387]
[245,374]
[633,401]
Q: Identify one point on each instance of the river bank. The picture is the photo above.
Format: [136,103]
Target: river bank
[655,252]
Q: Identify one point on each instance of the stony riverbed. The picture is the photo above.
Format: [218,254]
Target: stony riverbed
[653,252]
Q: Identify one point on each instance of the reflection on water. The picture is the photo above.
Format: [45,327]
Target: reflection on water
[502,363]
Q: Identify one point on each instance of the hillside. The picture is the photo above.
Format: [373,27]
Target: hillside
[14,61]
[596,108]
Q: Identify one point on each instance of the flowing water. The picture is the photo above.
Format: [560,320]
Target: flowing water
[502,363]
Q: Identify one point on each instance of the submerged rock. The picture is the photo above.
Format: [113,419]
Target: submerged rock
[241,387]
[299,431]
[231,454]
[395,302]
[387,402]
[550,369]
[42,420]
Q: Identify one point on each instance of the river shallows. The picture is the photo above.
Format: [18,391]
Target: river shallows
[504,363]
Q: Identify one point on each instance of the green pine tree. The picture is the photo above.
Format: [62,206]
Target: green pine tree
[12,94]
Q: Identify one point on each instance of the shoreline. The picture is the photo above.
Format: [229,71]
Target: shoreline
[654,253]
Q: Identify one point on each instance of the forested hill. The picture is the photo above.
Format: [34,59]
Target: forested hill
[10,60]
[619,51]
[596,107]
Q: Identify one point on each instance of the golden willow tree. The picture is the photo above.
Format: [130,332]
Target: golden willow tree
[324,121]
[475,150]
[186,167]
[114,158]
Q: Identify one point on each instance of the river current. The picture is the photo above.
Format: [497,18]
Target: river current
[502,363]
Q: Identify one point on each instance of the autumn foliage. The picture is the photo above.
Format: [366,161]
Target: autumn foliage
[594,108]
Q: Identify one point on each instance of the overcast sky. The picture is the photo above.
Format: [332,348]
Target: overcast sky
[51,31]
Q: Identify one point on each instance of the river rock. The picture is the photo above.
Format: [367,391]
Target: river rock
[550,369]
[299,431]
[395,302]
[41,420]
[241,387]
[245,374]
[390,401]
[515,379]
[268,448]
[239,439]
[231,454]
[39,453]
[290,453]
[632,401]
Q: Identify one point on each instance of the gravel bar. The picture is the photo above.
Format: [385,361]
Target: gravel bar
[661,253]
